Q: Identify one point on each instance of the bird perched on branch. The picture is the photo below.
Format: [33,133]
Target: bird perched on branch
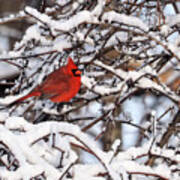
[59,86]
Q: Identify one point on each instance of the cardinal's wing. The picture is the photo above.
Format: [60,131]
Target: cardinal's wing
[55,85]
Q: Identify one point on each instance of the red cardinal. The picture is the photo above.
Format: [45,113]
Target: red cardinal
[59,86]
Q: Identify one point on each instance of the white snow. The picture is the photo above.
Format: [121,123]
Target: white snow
[8,71]
[112,16]
[39,148]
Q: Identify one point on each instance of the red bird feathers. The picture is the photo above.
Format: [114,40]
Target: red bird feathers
[59,86]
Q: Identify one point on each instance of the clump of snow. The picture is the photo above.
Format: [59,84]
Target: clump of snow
[61,45]
[8,71]
[61,2]
[112,16]
[173,20]
[99,8]
[165,29]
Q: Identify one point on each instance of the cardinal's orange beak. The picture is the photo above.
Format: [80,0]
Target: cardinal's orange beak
[78,72]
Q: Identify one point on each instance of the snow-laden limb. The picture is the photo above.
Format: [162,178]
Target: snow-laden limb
[24,154]
[113,16]
[88,17]
[138,169]
[9,138]
[24,172]
[132,167]
[28,146]
[139,78]
[171,48]
[12,18]
[134,153]
[173,20]
[32,151]
[167,154]
[8,100]
[127,160]
[90,83]
[139,152]
[37,157]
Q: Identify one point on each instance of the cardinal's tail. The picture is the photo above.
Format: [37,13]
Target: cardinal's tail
[33,93]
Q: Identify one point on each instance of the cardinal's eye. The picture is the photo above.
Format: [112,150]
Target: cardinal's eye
[76,72]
